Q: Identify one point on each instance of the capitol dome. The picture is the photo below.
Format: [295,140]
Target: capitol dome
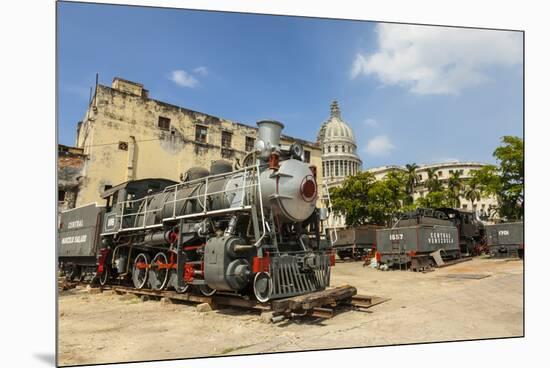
[339,155]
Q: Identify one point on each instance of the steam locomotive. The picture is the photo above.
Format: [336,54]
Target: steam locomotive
[254,230]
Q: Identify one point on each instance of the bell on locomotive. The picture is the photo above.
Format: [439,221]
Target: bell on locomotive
[250,230]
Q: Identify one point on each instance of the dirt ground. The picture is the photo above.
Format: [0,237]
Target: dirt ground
[103,328]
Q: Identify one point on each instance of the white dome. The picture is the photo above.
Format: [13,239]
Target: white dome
[335,128]
[339,155]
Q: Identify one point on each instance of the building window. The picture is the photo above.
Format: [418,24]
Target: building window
[249,144]
[307,156]
[106,187]
[328,149]
[343,148]
[464,206]
[440,173]
[123,146]
[164,123]
[200,133]
[461,172]
[226,139]
[60,195]
[337,171]
[336,148]
[450,171]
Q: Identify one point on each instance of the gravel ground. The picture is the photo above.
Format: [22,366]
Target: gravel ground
[106,327]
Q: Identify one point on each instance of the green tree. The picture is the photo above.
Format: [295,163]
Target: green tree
[412,180]
[455,186]
[432,182]
[506,179]
[362,199]
[436,199]
[472,191]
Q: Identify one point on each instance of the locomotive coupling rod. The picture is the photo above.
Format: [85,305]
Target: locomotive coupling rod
[243,247]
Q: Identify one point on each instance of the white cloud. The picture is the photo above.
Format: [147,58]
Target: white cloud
[183,79]
[201,70]
[379,146]
[437,60]
[371,123]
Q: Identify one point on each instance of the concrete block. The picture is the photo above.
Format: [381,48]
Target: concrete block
[165,301]
[266,316]
[92,290]
[204,307]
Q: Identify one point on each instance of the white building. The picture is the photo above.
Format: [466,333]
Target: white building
[443,172]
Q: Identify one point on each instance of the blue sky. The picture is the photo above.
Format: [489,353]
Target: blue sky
[410,93]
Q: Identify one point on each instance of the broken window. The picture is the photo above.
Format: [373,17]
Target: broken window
[249,144]
[201,133]
[307,156]
[226,139]
[164,123]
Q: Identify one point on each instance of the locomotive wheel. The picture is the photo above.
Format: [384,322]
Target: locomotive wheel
[105,276]
[263,286]
[206,290]
[140,272]
[158,277]
[173,282]
[74,273]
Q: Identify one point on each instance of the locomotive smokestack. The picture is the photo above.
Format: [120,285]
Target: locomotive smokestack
[269,135]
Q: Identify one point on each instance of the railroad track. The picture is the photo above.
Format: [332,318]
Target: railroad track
[321,304]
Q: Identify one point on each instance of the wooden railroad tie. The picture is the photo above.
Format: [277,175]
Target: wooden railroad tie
[321,304]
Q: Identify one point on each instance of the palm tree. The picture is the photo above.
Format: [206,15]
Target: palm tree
[455,186]
[473,192]
[411,180]
[432,183]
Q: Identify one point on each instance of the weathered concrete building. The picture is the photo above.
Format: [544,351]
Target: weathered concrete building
[125,135]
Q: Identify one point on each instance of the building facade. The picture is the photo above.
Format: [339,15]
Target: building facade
[339,154]
[70,173]
[126,135]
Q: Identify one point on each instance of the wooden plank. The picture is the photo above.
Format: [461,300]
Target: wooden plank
[364,301]
[316,299]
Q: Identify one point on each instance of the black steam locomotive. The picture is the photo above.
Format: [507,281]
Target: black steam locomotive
[253,230]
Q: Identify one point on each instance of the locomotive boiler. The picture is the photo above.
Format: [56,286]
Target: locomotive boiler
[250,230]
